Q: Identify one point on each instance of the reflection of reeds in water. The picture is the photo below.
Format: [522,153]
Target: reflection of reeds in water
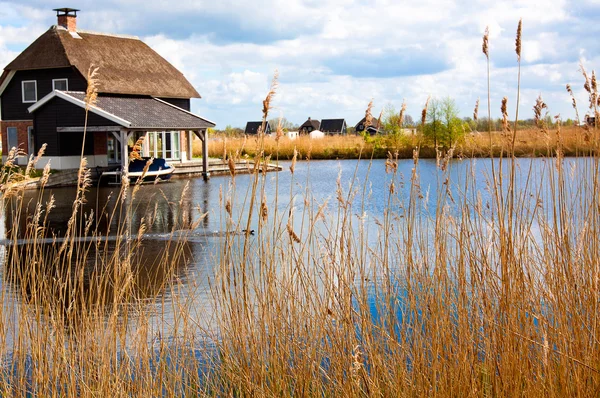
[477,297]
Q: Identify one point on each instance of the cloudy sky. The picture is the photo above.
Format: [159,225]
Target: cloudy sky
[334,56]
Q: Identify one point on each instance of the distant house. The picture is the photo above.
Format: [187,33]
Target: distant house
[373,129]
[140,94]
[253,127]
[290,135]
[309,126]
[333,126]
[590,120]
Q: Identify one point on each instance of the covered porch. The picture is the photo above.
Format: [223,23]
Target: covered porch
[175,146]
[115,124]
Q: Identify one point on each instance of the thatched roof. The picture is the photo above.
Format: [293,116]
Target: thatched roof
[126,64]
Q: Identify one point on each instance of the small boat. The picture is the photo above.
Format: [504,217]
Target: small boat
[158,169]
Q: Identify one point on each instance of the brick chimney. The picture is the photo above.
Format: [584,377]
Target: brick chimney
[67,18]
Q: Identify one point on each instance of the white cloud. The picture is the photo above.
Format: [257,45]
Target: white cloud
[229,50]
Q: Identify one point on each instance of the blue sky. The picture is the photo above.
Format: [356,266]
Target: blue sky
[334,56]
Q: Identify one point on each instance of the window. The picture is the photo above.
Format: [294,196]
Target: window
[164,144]
[60,84]
[29,90]
[13,140]
[30,141]
[113,149]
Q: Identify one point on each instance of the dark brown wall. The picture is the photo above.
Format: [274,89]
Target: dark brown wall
[61,113]
[13,107]
[183,103]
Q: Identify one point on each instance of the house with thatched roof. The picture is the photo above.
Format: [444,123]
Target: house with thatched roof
[308,126]
[333,126]
[140,94]
[372,129]
[252,128]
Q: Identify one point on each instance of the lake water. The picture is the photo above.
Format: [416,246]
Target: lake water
[313,183]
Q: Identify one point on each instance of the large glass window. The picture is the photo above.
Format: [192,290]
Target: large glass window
[113,149]
[164,144]
[175,145]
[29,90]
[13,139]
[60,84]
[30,141]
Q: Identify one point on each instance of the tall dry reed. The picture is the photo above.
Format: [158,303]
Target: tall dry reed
[477,287]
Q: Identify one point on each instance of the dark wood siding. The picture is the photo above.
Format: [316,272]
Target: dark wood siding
[13,107]
[183,103]
[60,113]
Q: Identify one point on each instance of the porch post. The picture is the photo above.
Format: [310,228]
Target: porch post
[124,151]
[205,173]
[190,146]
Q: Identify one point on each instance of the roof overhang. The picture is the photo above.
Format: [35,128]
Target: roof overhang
[80,103]
[8,77]
[183,110]
[135,113]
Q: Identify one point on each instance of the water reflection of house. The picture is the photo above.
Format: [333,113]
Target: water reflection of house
[333,126]
[308,126]
[140,94]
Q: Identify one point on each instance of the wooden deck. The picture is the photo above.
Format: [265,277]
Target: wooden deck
[216,167]
[65,178]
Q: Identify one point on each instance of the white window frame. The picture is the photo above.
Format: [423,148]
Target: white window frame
[58,80]
[174,137]
[23,91]
[175,142]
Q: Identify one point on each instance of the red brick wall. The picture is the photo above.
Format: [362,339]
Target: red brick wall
[68,21]
[184,144]
[100,147]
[21,134]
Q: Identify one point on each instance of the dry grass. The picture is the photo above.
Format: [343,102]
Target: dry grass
[529,142]
[462,294]
[333,147]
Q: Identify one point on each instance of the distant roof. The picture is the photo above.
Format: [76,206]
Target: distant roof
[374,124]
[311,123]
[126,65]
[332,125]
[134,113]
[252,128]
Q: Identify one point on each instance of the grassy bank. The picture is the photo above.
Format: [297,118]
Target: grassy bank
[529,143]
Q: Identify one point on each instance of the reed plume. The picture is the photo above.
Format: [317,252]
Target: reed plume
[424,113]
[518,40]
[91,93]
[504,111]
[269,98]
[137,148]
[538,110]
[369,115]
[485,45]
[401,115]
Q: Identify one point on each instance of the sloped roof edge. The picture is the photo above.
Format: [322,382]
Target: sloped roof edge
[78,102]
[183,110]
